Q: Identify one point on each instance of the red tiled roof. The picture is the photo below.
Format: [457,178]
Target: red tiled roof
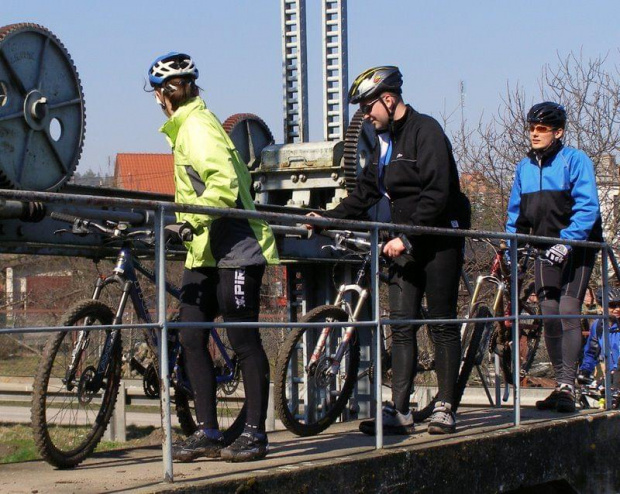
[146,172]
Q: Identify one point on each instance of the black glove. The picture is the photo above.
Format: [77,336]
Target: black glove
[179,231]
[584,377]
[558,253]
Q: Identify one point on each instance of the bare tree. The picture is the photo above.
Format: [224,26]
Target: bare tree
[488,153]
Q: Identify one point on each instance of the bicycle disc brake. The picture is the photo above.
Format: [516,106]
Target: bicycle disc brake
[323,374]
[150,381]
[86,391]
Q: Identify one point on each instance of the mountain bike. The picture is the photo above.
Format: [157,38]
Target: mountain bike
[78,377]
[317,368]
[496,286]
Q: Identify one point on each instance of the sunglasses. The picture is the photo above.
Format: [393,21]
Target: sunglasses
[367,108]
[541,129]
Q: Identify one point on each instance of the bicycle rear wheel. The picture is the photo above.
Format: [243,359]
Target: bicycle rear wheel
[474,347]
[69,416]
[309,400]
[229,395]
[529,340]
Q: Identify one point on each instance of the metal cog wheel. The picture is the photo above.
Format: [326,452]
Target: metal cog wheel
[359,142]
[42,115]
[250,135]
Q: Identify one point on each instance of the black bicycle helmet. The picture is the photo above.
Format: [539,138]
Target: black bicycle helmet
[548,113]
[613,296]
[374,81]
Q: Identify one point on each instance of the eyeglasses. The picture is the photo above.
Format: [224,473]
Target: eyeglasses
[367,108]
[541,129]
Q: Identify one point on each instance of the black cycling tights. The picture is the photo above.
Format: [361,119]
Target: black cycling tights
[561,290]
[433,271]
[235,294]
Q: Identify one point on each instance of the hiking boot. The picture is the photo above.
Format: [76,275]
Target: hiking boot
[442,420]
[550,402]
[197,445]
[395,423]
[248,446]
[566,399]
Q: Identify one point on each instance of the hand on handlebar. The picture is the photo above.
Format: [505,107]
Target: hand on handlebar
[179,231]
[313,227]
[394,248]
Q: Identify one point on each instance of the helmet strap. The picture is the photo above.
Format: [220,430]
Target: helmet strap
[390,113]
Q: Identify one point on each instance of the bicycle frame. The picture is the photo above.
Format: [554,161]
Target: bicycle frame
[125,274]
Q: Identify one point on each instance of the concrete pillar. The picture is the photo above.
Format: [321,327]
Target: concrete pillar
[270,423]
[117,428]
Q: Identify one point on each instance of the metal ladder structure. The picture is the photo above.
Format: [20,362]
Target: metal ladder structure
[335,69]
[295,70]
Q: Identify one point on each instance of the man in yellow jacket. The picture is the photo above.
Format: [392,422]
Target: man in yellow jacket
[225,262]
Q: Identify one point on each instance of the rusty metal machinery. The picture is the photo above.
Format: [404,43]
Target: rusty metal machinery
[42,118]
[42,123]
[313,174]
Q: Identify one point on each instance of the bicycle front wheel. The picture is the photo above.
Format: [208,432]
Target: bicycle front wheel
[71,410]
[308,398]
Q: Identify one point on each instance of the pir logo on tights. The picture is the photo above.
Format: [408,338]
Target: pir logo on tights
[239,288]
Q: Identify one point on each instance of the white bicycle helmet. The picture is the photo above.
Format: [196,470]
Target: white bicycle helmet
[173,64]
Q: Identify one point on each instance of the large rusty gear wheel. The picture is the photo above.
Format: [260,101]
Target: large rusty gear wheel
[359,142]
[42,116]
[250,135]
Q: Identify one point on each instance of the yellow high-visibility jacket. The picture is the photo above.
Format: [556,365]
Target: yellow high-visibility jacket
[208,171]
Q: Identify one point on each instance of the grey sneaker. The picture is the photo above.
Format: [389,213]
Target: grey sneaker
[443,420]
[195,446]
[395,423]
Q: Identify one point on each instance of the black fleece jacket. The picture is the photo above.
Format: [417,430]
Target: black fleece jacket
[421,178]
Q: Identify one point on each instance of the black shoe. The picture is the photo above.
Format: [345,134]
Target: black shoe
[566,400]
[247,447]
[395,423]
[195,446]
[550,402]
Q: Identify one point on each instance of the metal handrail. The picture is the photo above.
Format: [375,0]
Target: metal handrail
[162,210]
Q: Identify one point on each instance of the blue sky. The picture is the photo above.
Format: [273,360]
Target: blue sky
[237,46]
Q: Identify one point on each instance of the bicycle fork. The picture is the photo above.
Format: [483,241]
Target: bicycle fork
[334,368]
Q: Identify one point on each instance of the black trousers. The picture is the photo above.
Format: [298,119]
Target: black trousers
[235,294]
[433,271]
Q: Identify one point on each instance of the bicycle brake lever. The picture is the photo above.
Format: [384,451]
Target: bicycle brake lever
[334,248]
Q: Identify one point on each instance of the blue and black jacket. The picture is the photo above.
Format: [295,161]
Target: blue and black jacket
[554,195]
[593,350]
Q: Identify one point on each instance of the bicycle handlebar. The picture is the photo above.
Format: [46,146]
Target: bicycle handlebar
[84,226]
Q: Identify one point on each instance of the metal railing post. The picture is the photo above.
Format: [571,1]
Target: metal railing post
[160,280]
[376,316]
[606,346]
[514,297]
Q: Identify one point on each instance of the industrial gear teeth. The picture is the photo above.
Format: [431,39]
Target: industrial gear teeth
[42,116]
[359,142]
[250,135]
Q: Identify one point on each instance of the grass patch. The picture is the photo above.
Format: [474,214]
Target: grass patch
[19,365]
[17,441]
